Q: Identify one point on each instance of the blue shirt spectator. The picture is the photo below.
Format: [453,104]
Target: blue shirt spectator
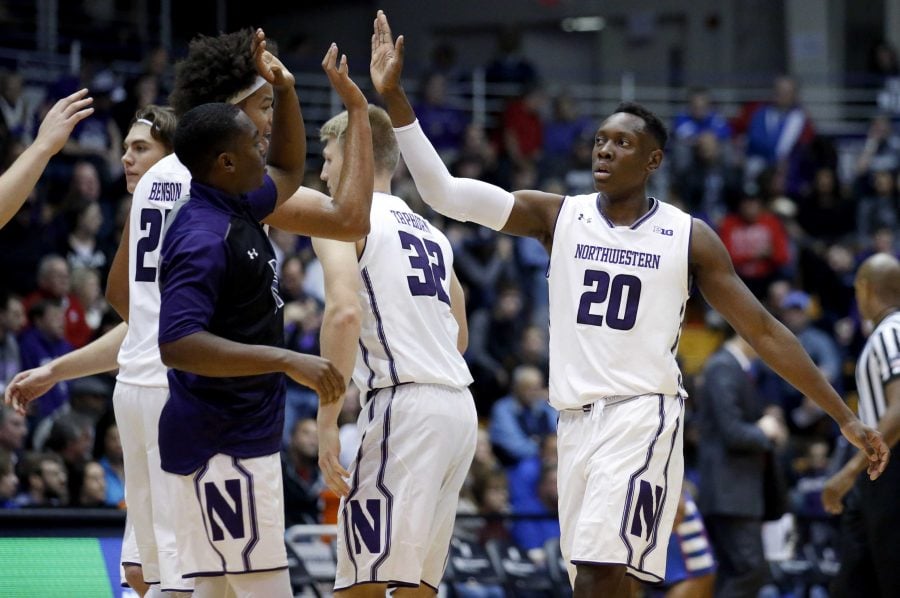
[519,421]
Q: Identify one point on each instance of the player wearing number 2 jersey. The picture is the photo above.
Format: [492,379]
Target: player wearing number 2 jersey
[418,423]
[619,270]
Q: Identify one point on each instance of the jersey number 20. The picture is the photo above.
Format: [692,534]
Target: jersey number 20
[433,274]
[601,289]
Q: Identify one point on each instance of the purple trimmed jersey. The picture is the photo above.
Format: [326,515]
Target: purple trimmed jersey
[217,274]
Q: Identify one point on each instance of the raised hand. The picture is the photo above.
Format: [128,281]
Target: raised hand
[387,56]
[27,386]
[339,77]
[871,442]
[62,118]
[333,472]
[319,374]
[267,64]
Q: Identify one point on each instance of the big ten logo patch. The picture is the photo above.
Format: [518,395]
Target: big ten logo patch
[646,509]
[368,525]
[226,511]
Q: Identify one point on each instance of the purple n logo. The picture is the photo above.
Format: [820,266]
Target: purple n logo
[366,528]
[647,506]
[233,519]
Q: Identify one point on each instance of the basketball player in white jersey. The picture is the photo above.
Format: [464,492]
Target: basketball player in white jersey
[620,272]
[418,423]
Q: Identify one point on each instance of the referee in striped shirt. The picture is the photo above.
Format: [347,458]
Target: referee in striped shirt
[870,526]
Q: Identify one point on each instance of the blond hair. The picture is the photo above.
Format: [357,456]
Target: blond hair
[384,142]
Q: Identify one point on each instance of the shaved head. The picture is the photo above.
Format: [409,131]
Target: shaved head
[878,284]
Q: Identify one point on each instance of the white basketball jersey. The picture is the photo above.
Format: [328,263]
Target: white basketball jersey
[408,331]
[166,182]
[617,298]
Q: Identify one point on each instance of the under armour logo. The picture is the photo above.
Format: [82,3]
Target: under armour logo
[581,217]
[252,253]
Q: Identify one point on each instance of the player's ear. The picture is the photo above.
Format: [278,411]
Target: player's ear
[226,162]
[654,160]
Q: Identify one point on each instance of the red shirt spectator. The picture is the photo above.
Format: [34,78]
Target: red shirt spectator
[757,242]
[54,283]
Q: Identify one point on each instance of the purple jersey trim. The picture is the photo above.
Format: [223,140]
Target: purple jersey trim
[654,207]
[379,483]
[200,473]
[655,535]
[626,515]
[223,572]
[380,324]
[254,537]
[629,570]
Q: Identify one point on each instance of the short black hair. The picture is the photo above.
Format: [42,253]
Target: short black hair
[203,133]
[214,70]
[652,123]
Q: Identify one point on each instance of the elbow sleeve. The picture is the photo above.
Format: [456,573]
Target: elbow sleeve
[467,200]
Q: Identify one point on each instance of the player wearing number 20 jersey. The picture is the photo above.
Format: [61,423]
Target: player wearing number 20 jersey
[626,288]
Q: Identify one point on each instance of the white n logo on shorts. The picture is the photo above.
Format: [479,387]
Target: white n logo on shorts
[217,507]
[366,528]
[648,507]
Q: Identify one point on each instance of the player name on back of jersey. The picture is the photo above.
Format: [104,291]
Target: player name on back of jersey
[165,191]
[411,219]
[610,255]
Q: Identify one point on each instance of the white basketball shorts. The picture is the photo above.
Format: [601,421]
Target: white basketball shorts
[417,443]
[620,471]
[232,518]
[148,489]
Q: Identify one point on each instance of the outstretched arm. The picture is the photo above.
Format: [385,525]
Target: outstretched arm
[20,178]
[94,358]
[774,343]
[345,217]
[339,339]
[287,150]
[525,213]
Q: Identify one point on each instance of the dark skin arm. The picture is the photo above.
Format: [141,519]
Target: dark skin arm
[345,217]
[721,287]
[287,150]
[206,354]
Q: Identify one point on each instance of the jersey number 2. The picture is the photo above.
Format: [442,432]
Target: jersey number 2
[431,284]
[601,289]
[151,221]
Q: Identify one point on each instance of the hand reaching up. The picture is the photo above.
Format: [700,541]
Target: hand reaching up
[339,77]
[267,64]
[387,56]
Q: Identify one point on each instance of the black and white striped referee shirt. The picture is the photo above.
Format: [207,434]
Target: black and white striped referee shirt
[878,364]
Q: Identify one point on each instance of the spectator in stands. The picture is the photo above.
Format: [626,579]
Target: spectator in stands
[483,261]
[93,486]
[509,65]
[72,438]
[98,139]
[42,342]
[45,481]
[757,243]
[112,462]
[89,397]
[303,483]
[520,421]
[699,117]
[10,360]
[493,337]
[562,130]
[802,414]
[82,247]
[86,288]
[533,491]
[9,481]
[13,431]
[16,110]
[881,150]
[825,214]
[879,209]
[444,123]
[523,127]
[532,349]
[491,493]
[709,183]
[737,433]
[778,133]
[54,283]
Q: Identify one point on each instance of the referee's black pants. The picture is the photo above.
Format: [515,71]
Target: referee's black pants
[870,537]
